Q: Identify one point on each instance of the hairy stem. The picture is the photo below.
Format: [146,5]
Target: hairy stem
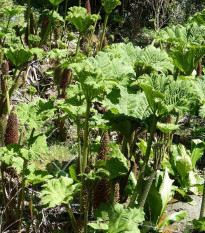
[147,189]
[202,212]
[142,172]
[103,34]
[85,151]
[78,44]
[86,211]
[25,164]
[72,218]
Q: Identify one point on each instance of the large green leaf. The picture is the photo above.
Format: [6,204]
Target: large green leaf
[34,114]
[37,176]
[12,10]
[167,128]
[143,147]
[120,101]
[186,60]
[79,17]
[126,52]
[180,95]
[187,35]
[155,99]
[159,195]
[182,163]
[116,165]
[197,148]
[198,18]
[19,57]
[152,59]
[59,191]
[109,5]
[55,2]
[116,219]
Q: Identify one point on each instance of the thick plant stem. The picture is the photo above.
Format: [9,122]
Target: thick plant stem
[85,139]
[8,102]
[79,2]
[147,189]
[142,172]
[79,146]
[29,22]
[25,164]
[72,218]
[66,9]
[112,193]
[202,212]
[47,31]
[78,44]
[85,151]
[86,211]
[103,34]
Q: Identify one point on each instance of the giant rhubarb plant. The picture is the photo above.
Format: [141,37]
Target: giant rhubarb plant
[79,17]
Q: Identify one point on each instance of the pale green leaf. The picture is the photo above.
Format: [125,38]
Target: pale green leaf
[59,191]
[167,128]
[79,17]
[109,5]
[116,219]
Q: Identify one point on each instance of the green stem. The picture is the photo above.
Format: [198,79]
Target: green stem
[85,151]
[25,164]
[85,139]
[112,192]
[202,212]
[29,22]
[86,211]
[142,172]
[79,146]
[147,189]
[66,10]
[47,30]
[171,136]
[79,2]
[72,218]
[104,28]
[8,102]
[78,44]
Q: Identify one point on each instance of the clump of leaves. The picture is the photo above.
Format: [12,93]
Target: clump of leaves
[117,219]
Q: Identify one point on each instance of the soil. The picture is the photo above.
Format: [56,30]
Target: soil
[193,212]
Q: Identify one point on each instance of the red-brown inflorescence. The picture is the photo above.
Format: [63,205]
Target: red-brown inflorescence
[88,7]
[65,80]
[11,134]
[102,192]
